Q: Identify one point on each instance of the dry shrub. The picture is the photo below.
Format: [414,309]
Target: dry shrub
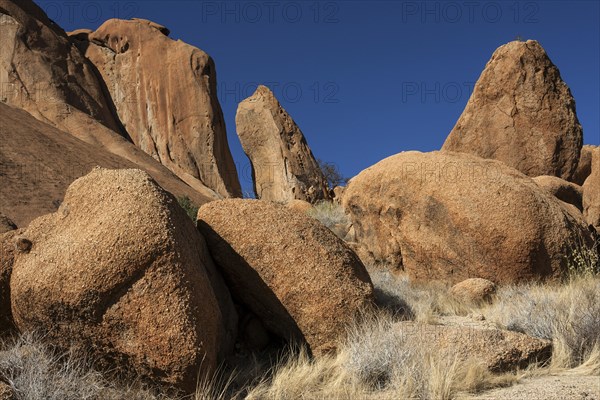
[36,372]
[566,313]
[377,361]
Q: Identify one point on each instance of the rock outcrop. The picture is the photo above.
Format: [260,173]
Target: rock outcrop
[294,274]
[283,166]
[165,94]
[453,216]
[591,192]
[568,192]
[135,296]
[45,74]
[38,162]
[584,168]
[522,113]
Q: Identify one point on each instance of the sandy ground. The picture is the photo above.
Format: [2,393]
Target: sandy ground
[559,387]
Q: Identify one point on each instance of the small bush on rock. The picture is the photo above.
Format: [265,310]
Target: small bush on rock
[191,210]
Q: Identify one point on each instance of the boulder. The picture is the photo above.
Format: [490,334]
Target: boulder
[453,216]
[474,290]
[181,124]
[299,205]
[591,192]
[568,192]
[120,273]
[293,273]
[498,350]
[283,166]
[31,185]
[584,168]
[6,224]
[43,73]
[522,113]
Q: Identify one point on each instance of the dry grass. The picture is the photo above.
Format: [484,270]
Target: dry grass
[329,214]
[567,313]
[377,360]
[424,302]
[33,371]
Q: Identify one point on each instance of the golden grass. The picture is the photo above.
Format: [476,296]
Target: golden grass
[375,361]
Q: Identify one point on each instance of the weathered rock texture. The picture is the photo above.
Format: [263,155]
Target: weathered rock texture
[283,166]
[584,168]
[522,113]
[165,94]
[498,350]
[38,162]
[44,73]
[118,272]
[302,281]
[566,191]
[454,216]
[591,192]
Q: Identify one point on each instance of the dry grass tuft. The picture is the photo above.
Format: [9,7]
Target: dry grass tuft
[423,302]
[378,361]
[567,313]
[33,371]
[329,214]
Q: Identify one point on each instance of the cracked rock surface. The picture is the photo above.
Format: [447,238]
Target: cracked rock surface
[521,112]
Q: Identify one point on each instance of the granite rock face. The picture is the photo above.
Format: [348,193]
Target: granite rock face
[165,95]
[453,216]
[283,166]
[522,113]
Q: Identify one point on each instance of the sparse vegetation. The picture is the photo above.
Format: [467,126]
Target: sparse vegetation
[34,371]
[376,361]
[583,259]
[332,174]
[330,214]
[190,208]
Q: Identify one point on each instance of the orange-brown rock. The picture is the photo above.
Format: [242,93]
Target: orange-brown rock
[522,113]
[32,185]
[299,205]
[568,192]
[591,192]
[180,123]
[302,281]
[283,166]
[584,168]
[474,290]
[453,216]
[42,72]
[118,272]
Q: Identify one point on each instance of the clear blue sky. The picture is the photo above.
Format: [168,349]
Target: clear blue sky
[366,79]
